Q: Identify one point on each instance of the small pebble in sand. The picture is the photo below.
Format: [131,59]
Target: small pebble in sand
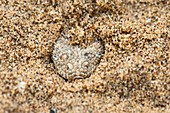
[72,61]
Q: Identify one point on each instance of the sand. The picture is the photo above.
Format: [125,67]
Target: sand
[133,75]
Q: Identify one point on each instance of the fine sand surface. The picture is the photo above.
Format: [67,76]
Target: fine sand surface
[133,75]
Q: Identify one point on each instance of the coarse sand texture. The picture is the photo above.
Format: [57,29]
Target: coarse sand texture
[85,56]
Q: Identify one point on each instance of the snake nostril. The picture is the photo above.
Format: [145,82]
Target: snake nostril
[69,66]
[64,57]
[85,64]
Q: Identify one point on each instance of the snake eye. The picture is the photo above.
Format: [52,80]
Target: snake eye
[89,55]
[54,56]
